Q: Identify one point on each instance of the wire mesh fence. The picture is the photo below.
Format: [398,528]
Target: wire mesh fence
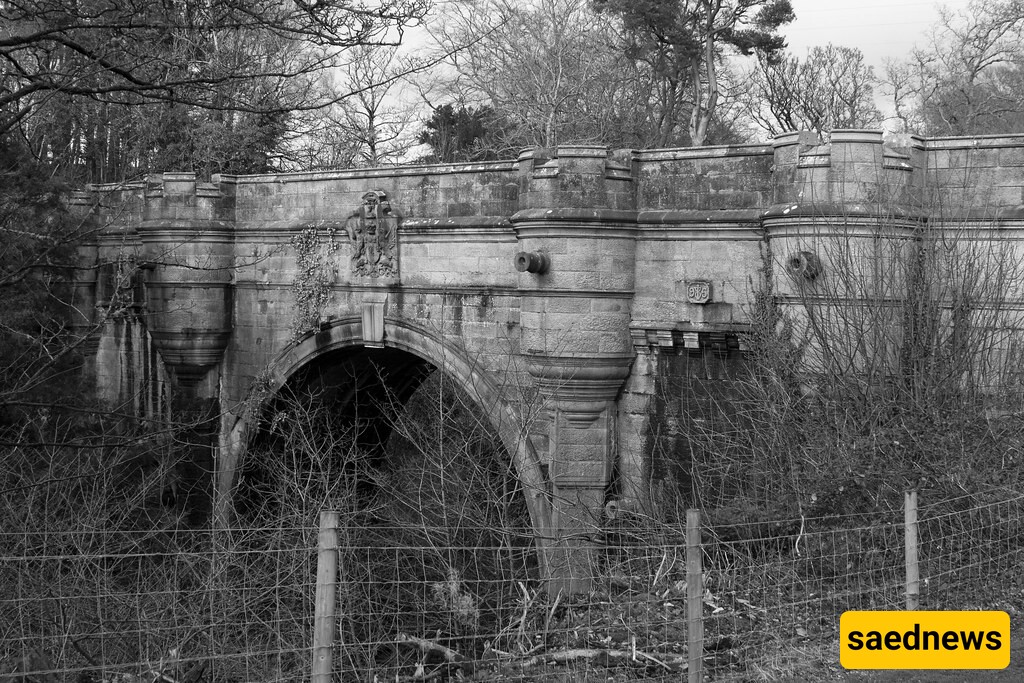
[240,604]
[972,552]
[99,607]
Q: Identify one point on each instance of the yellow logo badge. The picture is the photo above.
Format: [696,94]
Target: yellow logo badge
[924,640]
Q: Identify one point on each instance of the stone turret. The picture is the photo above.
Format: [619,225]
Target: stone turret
[576,233]
[186,237]
[845,220]
[854,172]
[843,190]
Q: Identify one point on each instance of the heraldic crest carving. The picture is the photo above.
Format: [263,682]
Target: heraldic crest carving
[373,231]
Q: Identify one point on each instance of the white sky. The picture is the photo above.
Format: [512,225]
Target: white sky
[879,29]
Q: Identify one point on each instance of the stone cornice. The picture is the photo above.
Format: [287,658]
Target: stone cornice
[583,386]
[668,154]
[887,211]
[573,215]
[467,289]
[658,217]
[476,228]
[198,227]
[871,227]
[973,142]
[369,173]
[731,225]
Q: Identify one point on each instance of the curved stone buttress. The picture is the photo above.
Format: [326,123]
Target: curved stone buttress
[188,246]
[847,216]
[187,251]
[577,224]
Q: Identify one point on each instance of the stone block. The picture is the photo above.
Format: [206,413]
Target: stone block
[617,342]
[634,403]
[604,322]
[985,157]
[609,305]
[456,209]
[649,309]
[640,381]
[713,313]
[530,320]
[1011,156]
[564,305]
[845,155]
[611,281]
[566,468]
[581,440]
[586,281]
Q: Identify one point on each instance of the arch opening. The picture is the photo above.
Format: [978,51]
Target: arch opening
[370,414]
[435,526]
[345,334]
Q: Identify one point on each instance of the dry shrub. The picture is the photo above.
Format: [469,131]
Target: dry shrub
[435,542]
[897,368]
[81,525]
[434,535]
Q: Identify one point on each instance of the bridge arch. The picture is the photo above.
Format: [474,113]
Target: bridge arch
[401,335]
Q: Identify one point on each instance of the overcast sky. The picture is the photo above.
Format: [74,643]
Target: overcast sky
[880,29]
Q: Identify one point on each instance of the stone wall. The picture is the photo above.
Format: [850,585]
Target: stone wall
[455,244]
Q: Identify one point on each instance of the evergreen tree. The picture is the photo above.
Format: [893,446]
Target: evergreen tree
[461,134]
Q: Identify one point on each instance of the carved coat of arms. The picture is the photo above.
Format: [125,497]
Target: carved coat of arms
[373,231]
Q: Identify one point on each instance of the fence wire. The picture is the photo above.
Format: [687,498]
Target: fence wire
[237,605]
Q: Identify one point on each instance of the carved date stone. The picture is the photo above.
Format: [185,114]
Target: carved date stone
[373,231]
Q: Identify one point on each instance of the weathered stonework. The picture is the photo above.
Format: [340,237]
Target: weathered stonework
[554,288]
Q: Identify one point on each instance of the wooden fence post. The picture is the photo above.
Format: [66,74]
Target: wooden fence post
[910,544]
[694,599]
[326,590]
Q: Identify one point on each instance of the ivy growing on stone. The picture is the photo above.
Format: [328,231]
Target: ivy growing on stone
[315,274]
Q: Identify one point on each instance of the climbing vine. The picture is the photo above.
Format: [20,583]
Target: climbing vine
[314,277]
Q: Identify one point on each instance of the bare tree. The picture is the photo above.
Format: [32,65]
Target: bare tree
[115,89]
[375,118]
[316,142]
[96,91]
[967,77]
[831,88]
[684,43]
[897,366]
[564,71]
[548,66]
[176,52]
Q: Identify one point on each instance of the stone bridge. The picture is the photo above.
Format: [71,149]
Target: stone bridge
[553,288]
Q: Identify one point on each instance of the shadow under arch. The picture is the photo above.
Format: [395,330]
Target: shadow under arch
[400,335]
